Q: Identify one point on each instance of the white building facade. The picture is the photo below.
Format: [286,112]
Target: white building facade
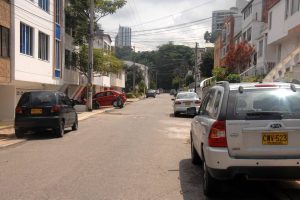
[283,44]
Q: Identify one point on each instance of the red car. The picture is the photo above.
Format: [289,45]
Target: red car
[108,98]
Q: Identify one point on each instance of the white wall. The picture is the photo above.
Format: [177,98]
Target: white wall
[7,94]
[31,68]
[103,81]
[281,26]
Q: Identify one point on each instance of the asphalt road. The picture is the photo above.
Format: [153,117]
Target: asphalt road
[139,152]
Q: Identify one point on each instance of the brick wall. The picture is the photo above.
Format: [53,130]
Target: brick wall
[4,21]
[268,4]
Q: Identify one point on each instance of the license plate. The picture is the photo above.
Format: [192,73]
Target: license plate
[187,103]
[275,139]
[36,111]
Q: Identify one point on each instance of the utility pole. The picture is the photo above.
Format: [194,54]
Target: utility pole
[156,79]
[90,56]
[196,66]
[133,70]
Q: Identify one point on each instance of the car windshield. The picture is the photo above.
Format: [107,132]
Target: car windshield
[151,91]
[187,96]
[281,101]
[38,99]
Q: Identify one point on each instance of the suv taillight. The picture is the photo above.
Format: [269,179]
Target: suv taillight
[198,102]
[19,110]
[55,109]
[217,135]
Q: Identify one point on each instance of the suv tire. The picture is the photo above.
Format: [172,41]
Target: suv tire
[176,114]
[196,160]
[19,133]
[211,186]
[75,125]
[59,132]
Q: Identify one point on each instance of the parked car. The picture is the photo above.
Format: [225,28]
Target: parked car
[186,103]
[151,93]
[43,110]
[157,92]
[172,92]
[249,130]
[109,98]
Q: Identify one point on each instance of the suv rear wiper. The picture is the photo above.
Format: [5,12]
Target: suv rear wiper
[265,115]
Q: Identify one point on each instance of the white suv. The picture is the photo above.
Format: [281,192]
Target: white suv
[250,130]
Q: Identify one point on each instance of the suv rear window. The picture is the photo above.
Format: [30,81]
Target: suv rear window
[263,103]
[37,99]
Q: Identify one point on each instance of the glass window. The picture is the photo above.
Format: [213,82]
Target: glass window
[260,48]
[57,50]
[287,5]
[249,34]
[217,104]
[57,11]
[265,102]
[42,99]
[270,21]
[26,39]
[44,4]
[68,59]
[43,46]
[186,96]
[4,42]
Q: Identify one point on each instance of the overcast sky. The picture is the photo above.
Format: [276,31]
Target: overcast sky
[143,15]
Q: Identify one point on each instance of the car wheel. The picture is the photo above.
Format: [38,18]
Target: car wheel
[59,132]
[176,114]
[75,125]
[96,105]
[211,186]
[19,133]
[196,160]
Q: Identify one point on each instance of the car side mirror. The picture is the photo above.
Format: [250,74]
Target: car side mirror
[173,99]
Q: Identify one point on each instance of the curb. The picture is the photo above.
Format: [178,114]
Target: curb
[11,143]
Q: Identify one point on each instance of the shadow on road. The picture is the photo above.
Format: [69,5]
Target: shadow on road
[181,116]
[191,186]
[42,135]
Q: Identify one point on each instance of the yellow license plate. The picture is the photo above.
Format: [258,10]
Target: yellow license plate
[275,139]
[36,111]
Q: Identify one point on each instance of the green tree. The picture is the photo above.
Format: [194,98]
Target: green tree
[130,71]
[153,85]
[78,13]
[207,63]
[124,53]
[189,79]
[103,63]
[176,82]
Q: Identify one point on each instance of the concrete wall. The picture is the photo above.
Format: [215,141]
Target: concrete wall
[8,94]
[31,68]
[281,27]
[103,81]
[5,22]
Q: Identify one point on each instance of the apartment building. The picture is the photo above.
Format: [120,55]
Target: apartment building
[283,44]
[218,17]
[123,38]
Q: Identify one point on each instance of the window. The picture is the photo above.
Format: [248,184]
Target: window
[287,5]
[57,12]
[4,42]
[26,39]
[43,46]
[244,35]
[260,48]
[44,4]
[295,6]
[57,50]
[68,59]
[249,34]
[217,104]
[270,21]
[208,103]
[248,12]
[279,53]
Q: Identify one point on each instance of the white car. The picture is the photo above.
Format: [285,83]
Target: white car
[186,103]
[250,130]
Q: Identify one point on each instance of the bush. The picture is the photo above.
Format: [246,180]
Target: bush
[220,73]
[233,78]
[130,96]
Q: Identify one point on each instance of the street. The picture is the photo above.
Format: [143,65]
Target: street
[139,152]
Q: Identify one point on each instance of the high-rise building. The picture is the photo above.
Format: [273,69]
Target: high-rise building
[123,38]
[218,17]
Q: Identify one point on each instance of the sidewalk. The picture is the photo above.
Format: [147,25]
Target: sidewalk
[7,132]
